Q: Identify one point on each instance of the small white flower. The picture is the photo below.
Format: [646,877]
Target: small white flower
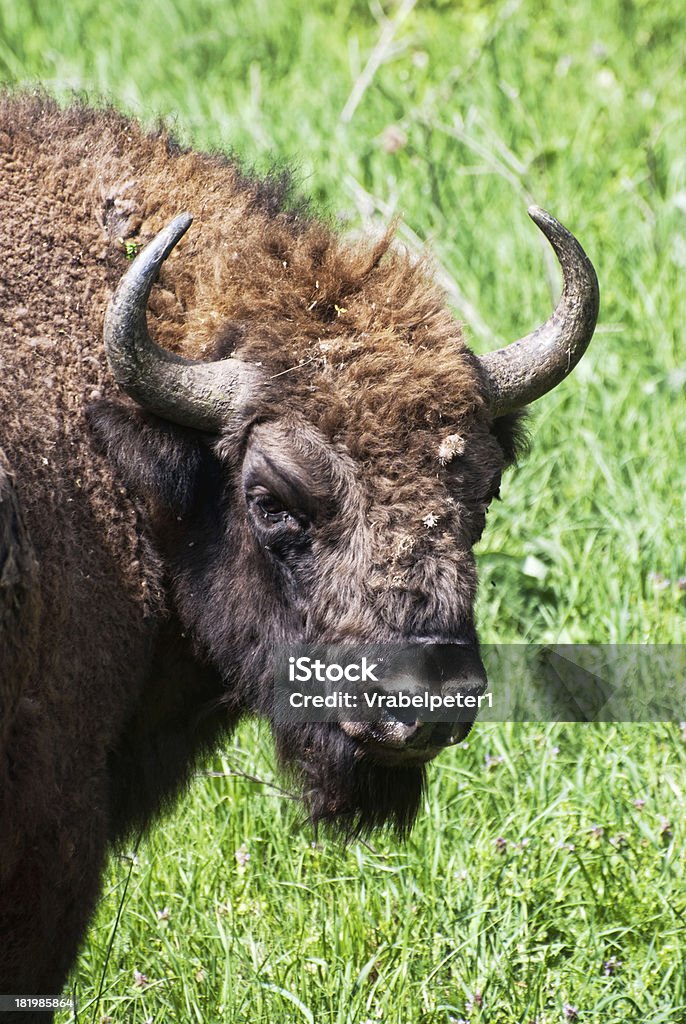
[242,856]
[393,138]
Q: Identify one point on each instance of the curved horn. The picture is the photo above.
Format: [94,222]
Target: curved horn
[523,371]
[185,391]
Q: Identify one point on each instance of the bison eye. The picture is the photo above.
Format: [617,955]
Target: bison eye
[270,512]
[269,508]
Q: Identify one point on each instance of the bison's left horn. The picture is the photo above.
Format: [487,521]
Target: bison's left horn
[523,371]
[185,391]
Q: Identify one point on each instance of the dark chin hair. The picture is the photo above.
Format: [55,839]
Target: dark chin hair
[349,794]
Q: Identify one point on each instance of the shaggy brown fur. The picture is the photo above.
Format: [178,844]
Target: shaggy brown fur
[142,626]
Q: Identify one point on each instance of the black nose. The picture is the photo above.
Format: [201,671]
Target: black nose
[414,718]
[415,728]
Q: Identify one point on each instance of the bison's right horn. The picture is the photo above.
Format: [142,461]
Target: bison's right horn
[523,371]
[185,391]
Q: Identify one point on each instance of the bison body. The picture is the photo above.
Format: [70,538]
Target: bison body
[155,550]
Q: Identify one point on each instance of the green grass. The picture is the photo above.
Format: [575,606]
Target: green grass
[532,877]
[579,108]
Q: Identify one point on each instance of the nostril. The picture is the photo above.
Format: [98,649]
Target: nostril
[407,716]
[395,702]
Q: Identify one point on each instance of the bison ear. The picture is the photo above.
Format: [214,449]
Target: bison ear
[510,432]
[159,461]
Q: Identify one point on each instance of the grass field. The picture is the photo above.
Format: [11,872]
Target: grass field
[546,879]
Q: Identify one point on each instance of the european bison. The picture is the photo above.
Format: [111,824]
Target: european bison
[305,453]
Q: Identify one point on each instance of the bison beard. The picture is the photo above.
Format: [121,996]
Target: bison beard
[348,792]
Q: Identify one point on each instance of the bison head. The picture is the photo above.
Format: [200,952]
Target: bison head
[334,497]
